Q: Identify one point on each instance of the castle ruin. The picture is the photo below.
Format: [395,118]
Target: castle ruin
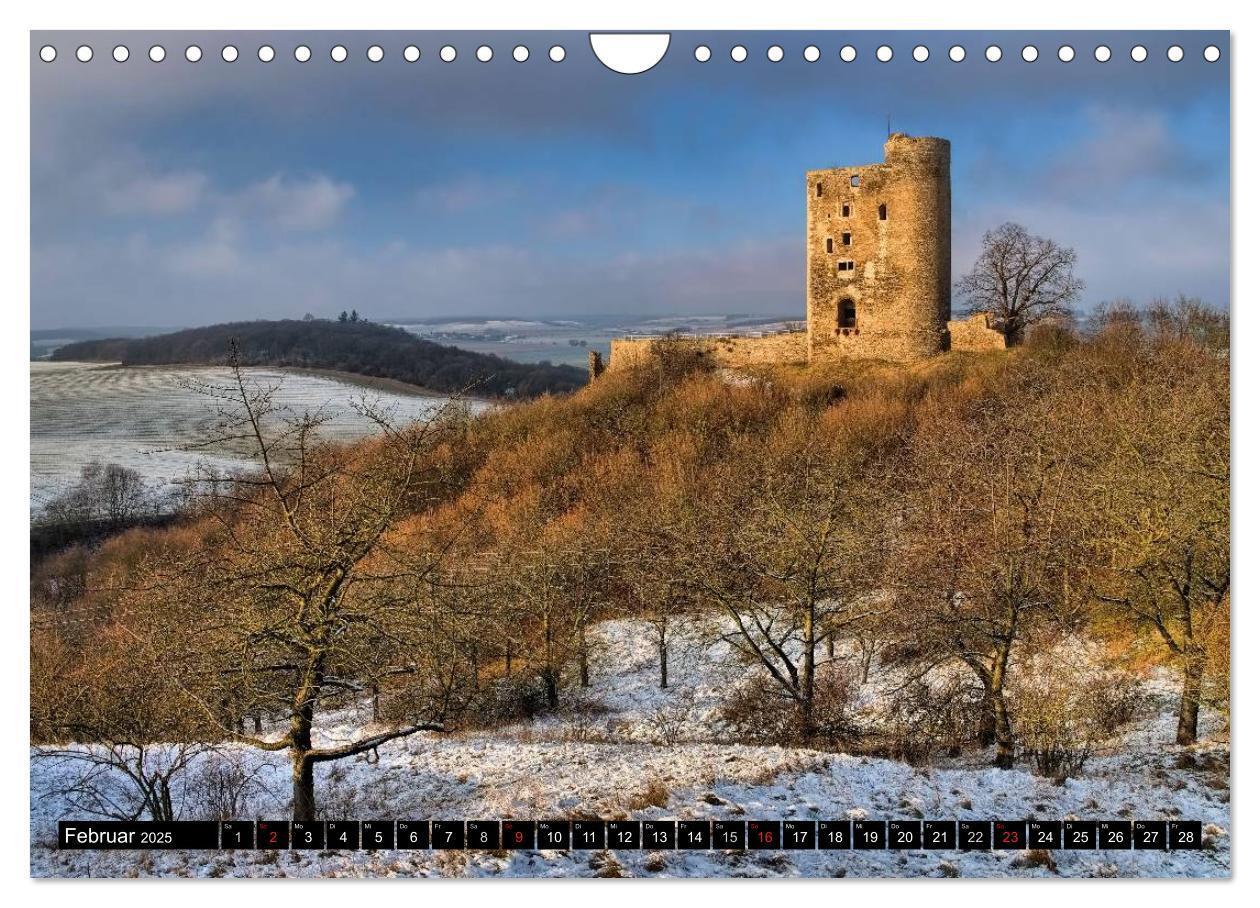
[877,268]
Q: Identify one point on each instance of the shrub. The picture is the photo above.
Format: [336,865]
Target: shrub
[674,721]
[1063,714]
[225,784]
[928,718]
[757,713]
[513,698]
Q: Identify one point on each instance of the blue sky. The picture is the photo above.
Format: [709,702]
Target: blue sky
[180,193]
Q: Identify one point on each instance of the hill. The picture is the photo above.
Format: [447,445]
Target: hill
[364,348]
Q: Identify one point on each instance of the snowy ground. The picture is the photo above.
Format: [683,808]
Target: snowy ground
[150,418]
[608,762]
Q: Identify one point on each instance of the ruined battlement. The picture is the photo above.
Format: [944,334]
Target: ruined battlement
[877,267]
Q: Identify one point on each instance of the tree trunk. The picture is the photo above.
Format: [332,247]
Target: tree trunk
[553,688]
[549,665]
[662,652]
[1004,735]
[987,733]
[1191,695]
[805,718]
[507,660]
[258,723]
[303,786]
[584,659]
[808,670]
[300,725]
[168,810]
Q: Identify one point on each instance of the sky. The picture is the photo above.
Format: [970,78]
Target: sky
[173,193]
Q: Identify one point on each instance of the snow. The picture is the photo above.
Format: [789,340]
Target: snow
[608,762]
[150,418]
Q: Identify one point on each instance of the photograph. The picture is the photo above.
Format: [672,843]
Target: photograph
[681,454]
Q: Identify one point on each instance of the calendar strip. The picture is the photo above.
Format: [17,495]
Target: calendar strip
[625,835]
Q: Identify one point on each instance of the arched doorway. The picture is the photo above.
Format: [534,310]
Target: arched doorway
[846,314]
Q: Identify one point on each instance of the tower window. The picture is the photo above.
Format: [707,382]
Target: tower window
[829,245]
[844,266]
[846,239]
[847,314]
[818,189]
[844,212]
[883,212]
[855,180]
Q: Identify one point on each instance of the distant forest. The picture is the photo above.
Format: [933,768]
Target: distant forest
[379,351]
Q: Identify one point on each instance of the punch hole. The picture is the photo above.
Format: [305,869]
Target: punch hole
[920,53]
[739,53]
[774,53]
[375,53]
[121,53]
[1029,53]
[520,53]
[485,53]
[302,53]
[1175,54]
[1138,53]
[703,54]
[48,53]
[811,54]
[266,53]
[883,53]
[84,53]
[1211,53]
[958,53]
[192,53]
[229,53]
[1067,53]
[993,53]
[1102,53]
[411,53]
[628,54]
[339,54]
[557,54]
[447,53]
[157,53]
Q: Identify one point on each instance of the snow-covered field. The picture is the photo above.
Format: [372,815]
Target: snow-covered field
[607,760]
[145,418]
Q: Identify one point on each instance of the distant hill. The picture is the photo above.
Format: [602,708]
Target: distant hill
[364,348]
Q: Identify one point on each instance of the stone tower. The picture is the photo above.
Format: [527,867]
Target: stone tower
[878,254]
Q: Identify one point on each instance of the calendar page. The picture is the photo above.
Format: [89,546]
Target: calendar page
[582,454]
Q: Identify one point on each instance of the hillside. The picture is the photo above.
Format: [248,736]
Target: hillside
[368,349]
[688,593]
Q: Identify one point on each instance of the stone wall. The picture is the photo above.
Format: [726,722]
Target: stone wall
[877,269]
[975,334]
[725,350]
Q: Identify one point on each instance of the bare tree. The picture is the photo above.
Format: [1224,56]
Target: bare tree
[307,591]
[104,494]
[552,587]
[1020,280]
[788,547]
[985,553]
[113,723]
[1158,505]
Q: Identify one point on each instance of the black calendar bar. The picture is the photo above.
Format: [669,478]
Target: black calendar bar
[113,836]
[663,834]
